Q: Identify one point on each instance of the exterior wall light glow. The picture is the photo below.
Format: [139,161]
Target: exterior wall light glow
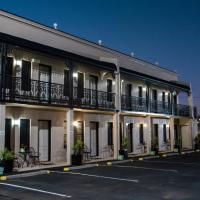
[16,122]
[144,89]
[167,125]
[75,75]
[75,123]
[145,125]
[18,63]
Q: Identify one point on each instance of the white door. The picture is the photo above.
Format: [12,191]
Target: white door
[186,137]
[44,140]
[93,139]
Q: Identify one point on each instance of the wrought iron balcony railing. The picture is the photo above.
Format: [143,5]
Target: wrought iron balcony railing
[182,110]
[160,107]
[133,104]
[87,98]
[36,92]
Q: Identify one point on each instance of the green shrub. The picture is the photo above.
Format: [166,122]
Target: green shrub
[6,155]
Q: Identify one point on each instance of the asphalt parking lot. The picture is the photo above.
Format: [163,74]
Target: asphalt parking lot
[176,177]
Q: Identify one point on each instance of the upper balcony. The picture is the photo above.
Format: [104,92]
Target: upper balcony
[33,92]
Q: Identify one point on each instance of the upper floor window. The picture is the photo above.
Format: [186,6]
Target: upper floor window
[109,90]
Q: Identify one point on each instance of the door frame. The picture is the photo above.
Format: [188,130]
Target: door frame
[49,137]
[97,137]
[130,125]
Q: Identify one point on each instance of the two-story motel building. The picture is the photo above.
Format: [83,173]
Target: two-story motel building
[56,88]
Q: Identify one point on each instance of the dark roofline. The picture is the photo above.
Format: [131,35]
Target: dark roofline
[109,48]
[149,78]
[55,52]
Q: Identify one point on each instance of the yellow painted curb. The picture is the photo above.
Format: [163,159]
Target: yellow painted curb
[97,165]
[183,153]
[66,169]
[109,163]
[48,172]
[3,178]
[198,150]
[140,158]
[164,155]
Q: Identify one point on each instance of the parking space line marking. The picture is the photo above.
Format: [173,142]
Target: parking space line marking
[160,161]
[148,168]
[36,190]
[98,176]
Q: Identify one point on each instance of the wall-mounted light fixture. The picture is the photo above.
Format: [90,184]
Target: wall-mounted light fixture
[145,125]
[16,122]
[75,75]
[18,63]
[144,89]
[167,125]
[75,123]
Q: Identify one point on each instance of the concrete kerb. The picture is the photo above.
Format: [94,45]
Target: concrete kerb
[42,172]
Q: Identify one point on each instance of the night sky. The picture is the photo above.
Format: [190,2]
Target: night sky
[163,31]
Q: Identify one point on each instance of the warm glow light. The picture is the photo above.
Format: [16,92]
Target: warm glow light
[75,75]
[122,81]
[167,125]
[16,122]
[18,63]
[144,89]
[113,82]
[145,125]
[75,123]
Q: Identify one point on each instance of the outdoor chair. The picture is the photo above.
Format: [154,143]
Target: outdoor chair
[33,157]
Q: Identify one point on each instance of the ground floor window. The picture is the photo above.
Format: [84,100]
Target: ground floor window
[141,132]
[164,133]
[110,133]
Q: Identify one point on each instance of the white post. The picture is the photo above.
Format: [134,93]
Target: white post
[70,135]
[148,136]
[171,126]
[2,126]
[116,134]
[116,116]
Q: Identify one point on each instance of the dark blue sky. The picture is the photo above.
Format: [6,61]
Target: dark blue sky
[166,31]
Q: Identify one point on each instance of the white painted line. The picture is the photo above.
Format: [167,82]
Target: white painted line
[184,163]
[97,176]
[35,190]
[147,168]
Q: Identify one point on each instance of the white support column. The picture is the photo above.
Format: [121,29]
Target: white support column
[116,121]
[70,135]
[171,126]
[2,126]
[116,116]
[148,136]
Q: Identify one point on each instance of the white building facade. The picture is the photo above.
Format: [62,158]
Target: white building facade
[56,88]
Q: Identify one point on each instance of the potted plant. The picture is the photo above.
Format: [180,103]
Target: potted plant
[197,142]
[124,150]
[77,157]
[6,160]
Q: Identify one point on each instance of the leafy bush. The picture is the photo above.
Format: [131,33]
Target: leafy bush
[6,155]
[125,143]
[78,147]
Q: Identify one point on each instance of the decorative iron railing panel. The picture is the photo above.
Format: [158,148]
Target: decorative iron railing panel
[133,104]
[40,92]
[182,110]
[160,107]
[93,99]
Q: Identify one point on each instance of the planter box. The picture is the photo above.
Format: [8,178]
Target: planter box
[7,165]
[124,153]
[77,159]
